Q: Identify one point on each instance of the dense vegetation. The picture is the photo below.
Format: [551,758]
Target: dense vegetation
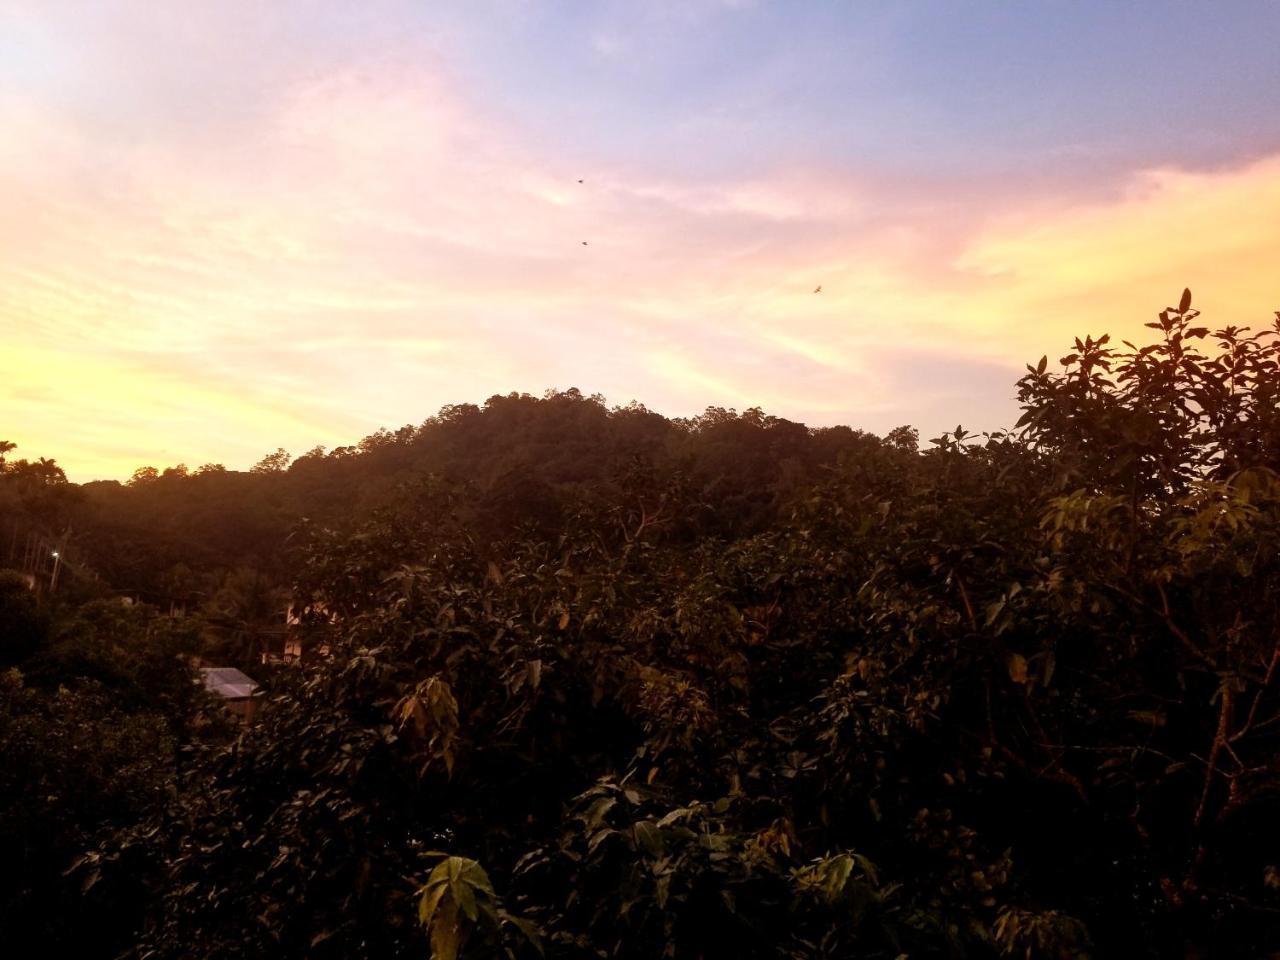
[602,684]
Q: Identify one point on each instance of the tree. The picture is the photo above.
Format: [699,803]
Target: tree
[90,728]
[22,626]
[276,462]
[144,475]
[35,473]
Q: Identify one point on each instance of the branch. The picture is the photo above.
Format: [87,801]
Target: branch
[1257,697]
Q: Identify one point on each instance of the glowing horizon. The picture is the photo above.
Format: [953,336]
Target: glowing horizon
[230,231]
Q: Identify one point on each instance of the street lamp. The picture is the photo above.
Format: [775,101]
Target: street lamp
[57,563]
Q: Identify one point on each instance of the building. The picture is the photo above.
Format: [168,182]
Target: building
[305,634]
[236,690]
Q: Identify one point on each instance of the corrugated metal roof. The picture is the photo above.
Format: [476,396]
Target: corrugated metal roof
[228,682]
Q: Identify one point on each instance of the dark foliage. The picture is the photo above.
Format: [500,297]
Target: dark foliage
[592,683]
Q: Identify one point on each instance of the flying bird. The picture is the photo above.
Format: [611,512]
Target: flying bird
[579,181]
[818,288]
[584,243]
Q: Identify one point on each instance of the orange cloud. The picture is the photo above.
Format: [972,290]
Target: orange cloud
[1111,266]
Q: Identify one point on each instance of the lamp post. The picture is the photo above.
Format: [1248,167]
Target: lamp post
[57,564]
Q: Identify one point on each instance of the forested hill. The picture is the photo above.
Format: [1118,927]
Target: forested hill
[591,683]
[175,534]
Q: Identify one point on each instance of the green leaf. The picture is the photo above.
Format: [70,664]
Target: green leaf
[837,875]
[462,892]
[445,933]
[527,928]
[475,876]
[429,902]
[648,837]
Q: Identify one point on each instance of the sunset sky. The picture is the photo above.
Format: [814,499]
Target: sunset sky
[231,226]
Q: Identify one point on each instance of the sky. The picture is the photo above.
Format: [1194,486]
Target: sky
[232,226]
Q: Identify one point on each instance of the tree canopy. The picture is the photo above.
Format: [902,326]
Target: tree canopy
[588,682]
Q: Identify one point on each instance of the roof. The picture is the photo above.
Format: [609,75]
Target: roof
[228,683]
